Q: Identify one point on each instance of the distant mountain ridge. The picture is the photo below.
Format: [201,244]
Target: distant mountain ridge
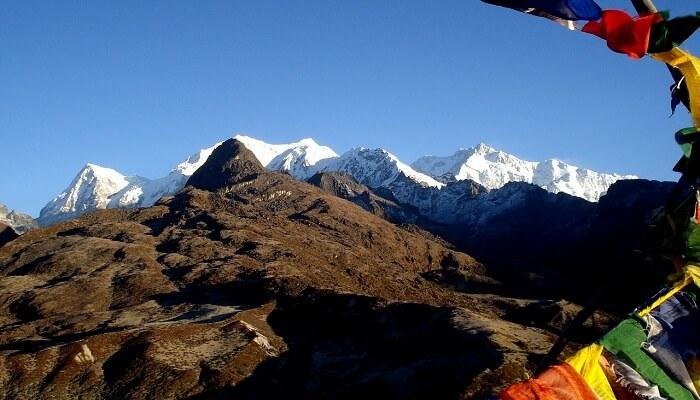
[18,221]
[429,184]
[493,169]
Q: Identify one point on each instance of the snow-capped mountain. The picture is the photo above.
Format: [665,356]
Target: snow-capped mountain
[16,220]
[429,184]
[493,169]
[376,168]
[299,159]
[96,188]
[89,190]
[143,192]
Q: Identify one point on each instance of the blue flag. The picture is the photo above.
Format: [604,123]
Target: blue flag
[571,10]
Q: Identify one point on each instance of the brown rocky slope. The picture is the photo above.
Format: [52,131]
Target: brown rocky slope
[249,284]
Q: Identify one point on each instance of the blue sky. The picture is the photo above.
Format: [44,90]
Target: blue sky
[137,86]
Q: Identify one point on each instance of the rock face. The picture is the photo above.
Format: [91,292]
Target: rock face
[7,234]
[229,164]
[345,187]
[261,286]
[503,222]
[535,243]
[18,221]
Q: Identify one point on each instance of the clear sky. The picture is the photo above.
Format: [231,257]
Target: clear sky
[139,85]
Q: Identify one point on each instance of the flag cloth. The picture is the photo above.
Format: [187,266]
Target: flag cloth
[670,345]
[632,382]
[689,65]
[560,382]
[587,363]
[624,341]
[687,279]
[571,10]
[691,274]
[693,271]
[692,241]
[623,33]
[666,35]
[679,93]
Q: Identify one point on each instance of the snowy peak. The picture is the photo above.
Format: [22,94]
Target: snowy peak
[482,148]
[89,190]
[298,158]
[420,184]
[494,168]
[143,192]
[265,152]
[376,168]
[193,162]
[303,159]
[96,188]
[557,176]
[100,175]
[481,164]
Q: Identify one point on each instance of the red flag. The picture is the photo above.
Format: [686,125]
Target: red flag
[560,382]
[623,33]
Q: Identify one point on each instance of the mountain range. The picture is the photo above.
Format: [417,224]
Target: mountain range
[253,283]
[493,169]
[437,186]
[249,283]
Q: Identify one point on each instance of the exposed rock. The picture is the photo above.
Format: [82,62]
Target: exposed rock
[18,221]
[230,163]
[7,234]
[345,187]
[339,184]
[84,355]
